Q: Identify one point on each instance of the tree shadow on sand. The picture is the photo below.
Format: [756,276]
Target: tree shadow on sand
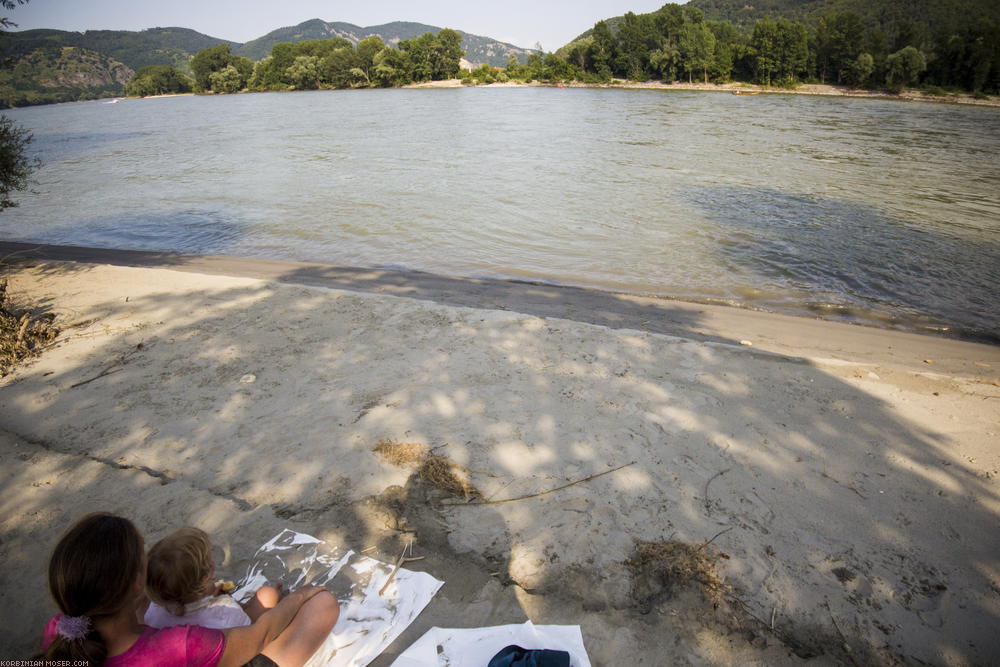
[845,522]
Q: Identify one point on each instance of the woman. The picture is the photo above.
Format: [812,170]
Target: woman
[97,578]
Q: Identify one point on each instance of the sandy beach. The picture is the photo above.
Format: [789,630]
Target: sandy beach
[824,90]
[845,480]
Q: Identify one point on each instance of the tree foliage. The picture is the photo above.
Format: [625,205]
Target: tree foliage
[332,63]
[157,80]
[789,42]
[215,69]
[16,166]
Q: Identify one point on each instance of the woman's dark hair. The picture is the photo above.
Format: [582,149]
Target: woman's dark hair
[92,571]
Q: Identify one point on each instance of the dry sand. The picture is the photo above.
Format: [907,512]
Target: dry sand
[851,487]
[825,90]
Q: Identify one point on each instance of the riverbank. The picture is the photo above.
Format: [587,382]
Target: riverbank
[846,477]
[803,89]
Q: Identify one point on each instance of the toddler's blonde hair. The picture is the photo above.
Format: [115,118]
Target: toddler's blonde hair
[178,566]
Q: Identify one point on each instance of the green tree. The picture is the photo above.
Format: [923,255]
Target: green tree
[391,67]
[226,80]
[839,40]
[697,49]
[206,62]
[664,61]
[791,50]
[637,36]
[450,52]
[904,67]
[157,80]
[603,50]
[762,50]
[861,70]
[367,49]
[727,46]
[16,166]
[304,73]
[335,68]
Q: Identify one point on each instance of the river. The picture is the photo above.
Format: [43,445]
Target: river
[880,212]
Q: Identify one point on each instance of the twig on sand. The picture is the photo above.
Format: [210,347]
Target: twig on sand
[708,504]
[399,563]
[847,647]
[107,371]
[846,486]
[721,532]
[540,493]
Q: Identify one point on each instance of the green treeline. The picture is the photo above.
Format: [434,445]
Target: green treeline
[677,43]
[314,64]
[674,43]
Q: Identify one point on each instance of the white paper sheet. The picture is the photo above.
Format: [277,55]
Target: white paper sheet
[475,647]
[368,622]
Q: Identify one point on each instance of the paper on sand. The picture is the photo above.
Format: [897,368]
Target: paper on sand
[368,622]
[474,647]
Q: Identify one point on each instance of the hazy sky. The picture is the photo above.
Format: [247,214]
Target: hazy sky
[553,23]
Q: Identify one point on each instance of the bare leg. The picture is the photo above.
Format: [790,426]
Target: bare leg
[265,598]
[306,632]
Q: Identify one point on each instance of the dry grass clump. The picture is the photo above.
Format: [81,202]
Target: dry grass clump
[442,473]
[401,454]
[21,335]
[674,563]
[433,469]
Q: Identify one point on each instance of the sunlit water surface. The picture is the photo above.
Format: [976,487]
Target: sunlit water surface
[880,212]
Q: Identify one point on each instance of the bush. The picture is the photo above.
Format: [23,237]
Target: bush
[15,165]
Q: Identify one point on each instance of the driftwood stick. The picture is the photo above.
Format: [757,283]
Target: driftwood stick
[25,319]
[402,560]
[540,493]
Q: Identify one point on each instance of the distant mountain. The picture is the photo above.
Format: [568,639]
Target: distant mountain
[478,49]
[59,74]
[156,46]
[44,66]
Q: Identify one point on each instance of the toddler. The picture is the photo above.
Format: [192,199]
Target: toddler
[180,579]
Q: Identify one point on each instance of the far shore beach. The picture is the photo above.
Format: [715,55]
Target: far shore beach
[845,480]
[803,89]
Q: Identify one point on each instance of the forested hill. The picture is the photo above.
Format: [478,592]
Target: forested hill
[943,15]
[937,15]
[478,49]
[156,46]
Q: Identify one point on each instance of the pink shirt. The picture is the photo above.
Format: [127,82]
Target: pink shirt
[187,645]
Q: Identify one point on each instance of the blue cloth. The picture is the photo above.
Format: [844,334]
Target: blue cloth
[515,656]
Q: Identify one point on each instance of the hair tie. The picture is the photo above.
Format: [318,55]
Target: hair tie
[73,627]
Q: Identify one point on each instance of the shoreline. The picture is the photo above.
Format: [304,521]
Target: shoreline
[822,90]
[819,90]
[849,489]
[781,333]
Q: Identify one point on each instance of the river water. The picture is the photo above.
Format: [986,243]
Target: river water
[874,211]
